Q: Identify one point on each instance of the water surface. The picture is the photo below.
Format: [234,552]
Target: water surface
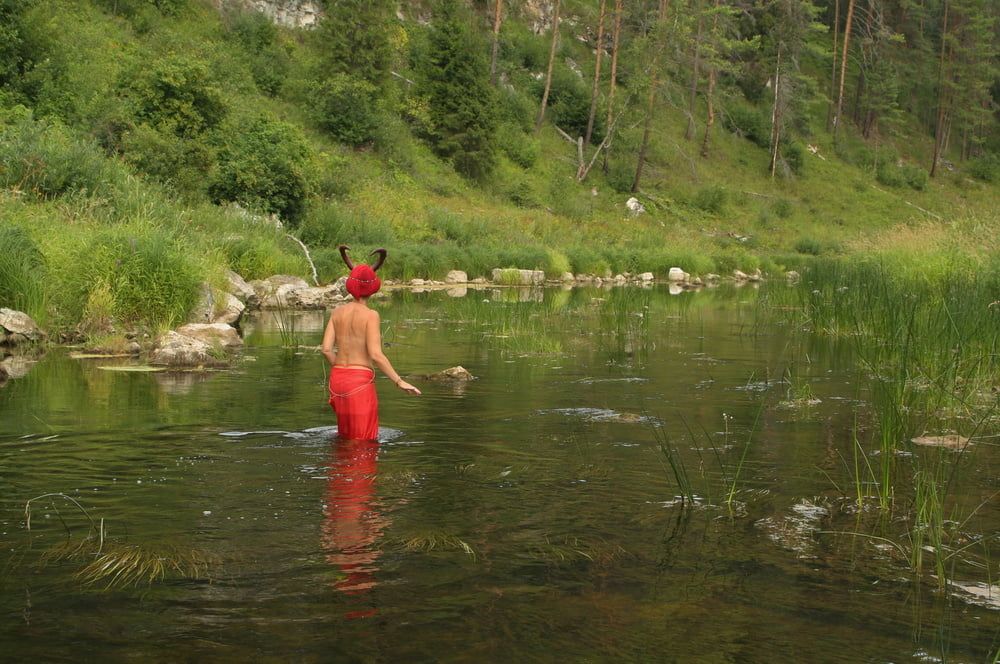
[529,515]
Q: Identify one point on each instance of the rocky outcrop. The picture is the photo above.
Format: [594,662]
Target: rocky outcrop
[287,13]
[213,334]
[516,277]
[16,328]
[311,297]
[241,290]
[231,310]
[178,350]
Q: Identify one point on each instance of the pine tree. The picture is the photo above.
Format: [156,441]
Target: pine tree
[356,38]
[457,84]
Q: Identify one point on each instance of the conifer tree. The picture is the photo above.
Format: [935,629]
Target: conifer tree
[457,85]
[356,38]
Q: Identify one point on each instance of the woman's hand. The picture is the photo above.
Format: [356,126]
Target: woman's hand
[406,387]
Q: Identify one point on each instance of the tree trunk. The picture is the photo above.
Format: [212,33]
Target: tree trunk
[695,66]
[833,73]
[710,93]
[843,70]
[650,99]
[497,18]
[597,75]
[548,75]
[775,116]
[614,72]
[939,125]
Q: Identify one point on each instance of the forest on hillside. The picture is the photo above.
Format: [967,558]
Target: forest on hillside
[480,134]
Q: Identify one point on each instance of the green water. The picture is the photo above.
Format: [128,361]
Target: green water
[527,516]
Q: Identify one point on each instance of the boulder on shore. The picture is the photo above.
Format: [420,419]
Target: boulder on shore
[218,334]
[272,292]
[204,310]
[676,274]
[646,276]
[232,310]
[513,276]
[241,290]
[178,350]
[456,277]
[16,327]
[313,297]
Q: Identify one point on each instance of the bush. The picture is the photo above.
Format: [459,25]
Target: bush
[22,272]
[782,208]
[794,155]
[749,123]
[264,164]
[986,168]
[48,161]
[258,257]
[348,108]
[809,246]
[914,176]
[176,95]
[711,199]
[519,147]
[182,164]
[141,275]
[257,35]
[890,175]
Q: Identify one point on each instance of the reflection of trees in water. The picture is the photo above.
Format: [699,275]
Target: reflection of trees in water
[352,524]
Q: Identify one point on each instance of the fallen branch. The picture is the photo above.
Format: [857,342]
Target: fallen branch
[305,250]
[927,212]
[400,76]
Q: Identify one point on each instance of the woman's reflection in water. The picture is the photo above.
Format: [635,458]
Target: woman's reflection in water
[352,524]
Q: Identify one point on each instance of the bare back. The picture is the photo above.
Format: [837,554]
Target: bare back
[350,327]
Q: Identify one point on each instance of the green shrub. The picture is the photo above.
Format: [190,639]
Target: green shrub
[137,276]
[914,176]
[520,148]
[809,246]
[48,161]
[890,175]
[986,168]
[749,123]
[260,256]
[264,164]
[711,199]
[794,155]
[176,95]
[348,108]
[22,272]
[257,35]
[182,164]
[782,208]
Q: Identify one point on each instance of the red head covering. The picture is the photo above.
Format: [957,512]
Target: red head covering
[363,282]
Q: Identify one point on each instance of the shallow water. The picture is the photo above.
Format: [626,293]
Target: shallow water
[529,515]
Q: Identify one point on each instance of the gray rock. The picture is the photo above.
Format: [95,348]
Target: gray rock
[232,310]
[318,297]
[417,282]
[712,277]
[213,334]
[739,275]
[456,374]
[566,277]
[676,274]
[756,275]
[239,288]
[204,310]
[273,291]
[516,277]
[646,276]
[18,327]
[178,350]
[479,280]
[792,276]
[456,277]
[3,375]
[634,206]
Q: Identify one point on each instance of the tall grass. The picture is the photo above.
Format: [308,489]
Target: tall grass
[22,273]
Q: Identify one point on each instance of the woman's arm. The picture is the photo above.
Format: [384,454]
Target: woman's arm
[329,339]
[373,342]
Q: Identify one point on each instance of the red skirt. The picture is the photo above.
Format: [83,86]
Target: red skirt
[353,397]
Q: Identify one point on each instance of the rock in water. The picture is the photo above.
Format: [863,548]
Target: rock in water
[517,277]
[456,277]
[240,289]
[676,274]
[19,327]
[646,276]
[950,441]
[177,350]
[457,374]
[218,334]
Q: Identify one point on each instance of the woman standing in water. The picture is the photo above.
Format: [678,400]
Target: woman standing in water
[355,330]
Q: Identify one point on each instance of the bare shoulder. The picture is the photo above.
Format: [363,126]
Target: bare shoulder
[373,316]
